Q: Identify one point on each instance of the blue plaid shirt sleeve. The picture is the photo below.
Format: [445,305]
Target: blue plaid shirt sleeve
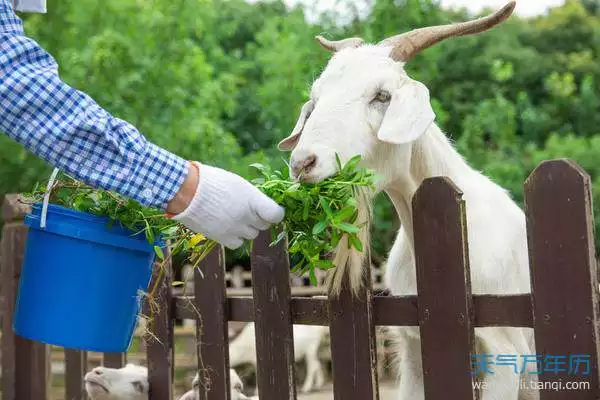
[70,131]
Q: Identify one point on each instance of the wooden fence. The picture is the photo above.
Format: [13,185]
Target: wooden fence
[563,308]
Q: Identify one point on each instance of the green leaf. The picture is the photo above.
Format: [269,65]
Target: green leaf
[338,161]
[258,166]
[324,264]
[320,227]
[343,214]
[348,227]
[159,253]
[313,277]
[326,207]
[355,242]
[352,163]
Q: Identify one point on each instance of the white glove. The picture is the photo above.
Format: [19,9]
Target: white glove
[228,209]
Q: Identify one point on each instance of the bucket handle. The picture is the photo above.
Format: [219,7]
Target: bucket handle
[47,197]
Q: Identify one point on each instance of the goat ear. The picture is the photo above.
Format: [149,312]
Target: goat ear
[409,114]
[290,142]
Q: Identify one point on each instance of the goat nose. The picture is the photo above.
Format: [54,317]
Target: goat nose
[98,371]
[303,163]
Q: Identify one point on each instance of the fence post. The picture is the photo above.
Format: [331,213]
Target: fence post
[75,369]
[160,346]
[444,288]
[25,376]
[353,347]
[273,319]
[563,277]
[212,334]
[114,360]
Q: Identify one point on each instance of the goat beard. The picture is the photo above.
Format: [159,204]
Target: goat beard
[352,266]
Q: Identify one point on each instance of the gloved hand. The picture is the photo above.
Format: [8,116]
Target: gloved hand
[227,208]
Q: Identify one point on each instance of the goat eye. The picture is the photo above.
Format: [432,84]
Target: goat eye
[137,385]
[382,96]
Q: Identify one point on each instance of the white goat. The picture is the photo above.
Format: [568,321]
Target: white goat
[131,383]
[307,338]
[365,104]
[127,383]
[236,385]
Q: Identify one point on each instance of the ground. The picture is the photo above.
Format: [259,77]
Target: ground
[385,393]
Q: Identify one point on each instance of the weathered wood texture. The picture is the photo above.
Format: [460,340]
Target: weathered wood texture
[273,319]
[75,369]
[444,287]
[114,360]
[212,338]
[351,327]
[18,354]
[160,347]
[488,310]
[563,272]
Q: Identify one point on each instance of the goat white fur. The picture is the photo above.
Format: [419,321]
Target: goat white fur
[364,103]
[236,385]
[127,383]
[307,338]
[131,383]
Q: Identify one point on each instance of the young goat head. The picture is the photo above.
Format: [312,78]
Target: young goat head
[365,104]
[235,383]
[127,383]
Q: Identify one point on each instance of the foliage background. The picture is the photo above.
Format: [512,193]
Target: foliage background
[222,81]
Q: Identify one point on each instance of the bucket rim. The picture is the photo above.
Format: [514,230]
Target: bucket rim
[86,217]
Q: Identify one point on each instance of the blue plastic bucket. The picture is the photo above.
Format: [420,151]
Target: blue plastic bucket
[80,281]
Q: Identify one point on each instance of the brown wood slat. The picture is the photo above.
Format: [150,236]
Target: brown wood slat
[273,319]
[563,271]
[32,370]
[11,251]
[310,311]
[212,338]
[160,348]
[353,348]
[13,209]
[25,364]
[488,310]
[514,310]
[114,360]
[75,368]
[443,284]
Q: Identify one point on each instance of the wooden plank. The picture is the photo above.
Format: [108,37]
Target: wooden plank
[514,310]
[114,360]
[25,364]
[444,288]
[353,347]
[11,251]
[13,209]
[564,277]
[273,319]
[212,338]
[33,377]
[159,346]
[75,367]
[488,310]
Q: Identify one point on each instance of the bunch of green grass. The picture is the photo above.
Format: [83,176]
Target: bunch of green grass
[317,215]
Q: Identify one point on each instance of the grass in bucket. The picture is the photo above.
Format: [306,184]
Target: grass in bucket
[317,218]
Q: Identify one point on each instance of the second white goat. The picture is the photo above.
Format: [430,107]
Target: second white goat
[307,338]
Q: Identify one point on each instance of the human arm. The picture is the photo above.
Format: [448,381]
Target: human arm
[69,130]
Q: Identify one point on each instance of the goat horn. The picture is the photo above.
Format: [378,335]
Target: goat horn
[409,44]
[337,45]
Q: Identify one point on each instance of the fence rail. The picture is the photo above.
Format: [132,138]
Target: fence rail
[563,306]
